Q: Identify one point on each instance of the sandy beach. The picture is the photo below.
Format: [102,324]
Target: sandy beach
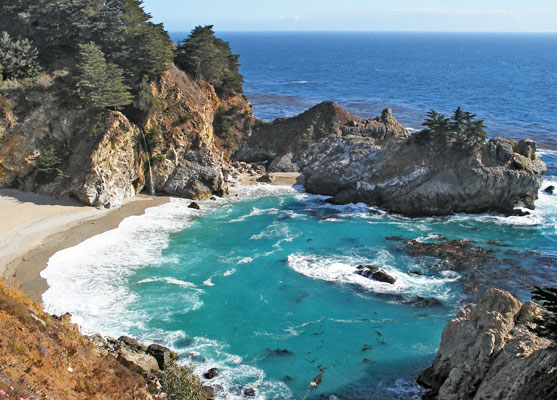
[279,178]
[33,227]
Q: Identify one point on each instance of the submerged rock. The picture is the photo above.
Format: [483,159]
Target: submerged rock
[460,254]
[366,270]
[373,272]
[210,374]
[488,352]
[249,392]
[549,189]
[194,205]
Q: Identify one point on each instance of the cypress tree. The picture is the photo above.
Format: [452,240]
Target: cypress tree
[98,83]
[18,58]
[203,56]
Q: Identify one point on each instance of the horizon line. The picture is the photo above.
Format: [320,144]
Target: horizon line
[363,31]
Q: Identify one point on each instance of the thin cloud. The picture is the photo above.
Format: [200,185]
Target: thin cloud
[448,11]
[293,18]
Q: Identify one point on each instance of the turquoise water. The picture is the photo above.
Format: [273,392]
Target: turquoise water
[271,269]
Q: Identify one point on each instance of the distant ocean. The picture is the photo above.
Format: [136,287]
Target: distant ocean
[262,284]
[510,80]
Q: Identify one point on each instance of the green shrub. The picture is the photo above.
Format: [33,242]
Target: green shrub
[224,120]
[153,138]
[179,382]
[48,165]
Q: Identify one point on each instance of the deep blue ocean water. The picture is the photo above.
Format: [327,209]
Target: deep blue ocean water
[262,284]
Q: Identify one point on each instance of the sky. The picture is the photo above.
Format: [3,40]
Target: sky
[357,15]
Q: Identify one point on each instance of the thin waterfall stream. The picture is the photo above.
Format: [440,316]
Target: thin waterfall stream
[151,188]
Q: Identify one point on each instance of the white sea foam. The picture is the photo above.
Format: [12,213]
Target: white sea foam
[91,280]
[341,269]
[208,282]
[256,212]
[229,272]
[172,281]
[245,260]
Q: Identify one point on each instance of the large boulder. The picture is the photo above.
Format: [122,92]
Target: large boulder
[488,352]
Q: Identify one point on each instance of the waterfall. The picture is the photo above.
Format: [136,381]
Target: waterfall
[151,188]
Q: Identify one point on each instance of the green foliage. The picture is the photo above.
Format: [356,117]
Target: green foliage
[462,128]
[18,58]
[179,382]
[547,324]
[224,120]
[120,28]
[48,165]
[204,56]
[153,138]
[98,83]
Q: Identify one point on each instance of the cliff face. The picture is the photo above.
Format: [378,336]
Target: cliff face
[377,162]
[193,157]
[100,157]
[488,352]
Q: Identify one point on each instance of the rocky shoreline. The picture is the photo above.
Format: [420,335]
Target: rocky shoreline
[489,351]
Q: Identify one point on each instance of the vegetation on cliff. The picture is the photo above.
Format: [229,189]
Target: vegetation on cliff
[135,50]
[204,56]
[462,128]
[45,357]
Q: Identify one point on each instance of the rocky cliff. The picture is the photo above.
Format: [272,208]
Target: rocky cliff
[48,145]
[379,163]
[488,352]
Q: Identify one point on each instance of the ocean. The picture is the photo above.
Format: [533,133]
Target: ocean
[262,284]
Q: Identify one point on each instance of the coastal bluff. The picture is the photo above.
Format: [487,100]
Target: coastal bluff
[488,352]
[191,144]
[378,162]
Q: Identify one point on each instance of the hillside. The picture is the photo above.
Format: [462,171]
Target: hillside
[43,357]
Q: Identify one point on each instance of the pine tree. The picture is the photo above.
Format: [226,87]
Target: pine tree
[100,84]
[18,58]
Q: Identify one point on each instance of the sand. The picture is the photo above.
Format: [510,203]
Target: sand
[280,178]
[33,227]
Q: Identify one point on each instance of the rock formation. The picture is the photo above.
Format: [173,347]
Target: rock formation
[488,352]
[379,163]
[101,155]
[100,158]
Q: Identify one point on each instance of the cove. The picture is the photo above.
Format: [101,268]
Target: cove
[262,286]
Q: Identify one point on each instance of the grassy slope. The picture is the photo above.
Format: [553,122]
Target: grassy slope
[42,357]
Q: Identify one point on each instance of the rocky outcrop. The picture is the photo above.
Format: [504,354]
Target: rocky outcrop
[488,352]
[378,162]
[102,155]
[193,157]
[105,173]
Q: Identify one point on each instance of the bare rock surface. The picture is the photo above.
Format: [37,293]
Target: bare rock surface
[379,163]
[488,352]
